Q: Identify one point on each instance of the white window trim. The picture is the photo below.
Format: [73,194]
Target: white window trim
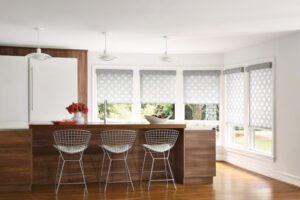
[136,109]
[247,148]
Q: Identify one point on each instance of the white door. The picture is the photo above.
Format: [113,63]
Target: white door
[13,92]
[53,86]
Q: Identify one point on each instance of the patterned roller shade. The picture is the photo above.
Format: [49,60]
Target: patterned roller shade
[114,85]
[234,97]
[158,86]
[261,95]
[201,86]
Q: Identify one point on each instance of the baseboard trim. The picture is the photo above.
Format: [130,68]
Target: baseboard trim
[237,160]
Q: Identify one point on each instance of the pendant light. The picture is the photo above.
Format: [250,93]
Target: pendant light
[38,55]
[105,56]
[166,57]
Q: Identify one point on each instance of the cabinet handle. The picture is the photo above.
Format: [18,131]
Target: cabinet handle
[31,73]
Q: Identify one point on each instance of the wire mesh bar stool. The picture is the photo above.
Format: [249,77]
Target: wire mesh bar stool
[70,142]
[116,142]
[159,141]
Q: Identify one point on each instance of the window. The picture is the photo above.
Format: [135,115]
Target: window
[158,109]
[262,140]
[236,134]
[261,107]
[158,92]
[201,111]
[201,97]
[115,86]
[234,105]
[115,112]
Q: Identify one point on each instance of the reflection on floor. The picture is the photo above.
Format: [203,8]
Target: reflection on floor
[231,183]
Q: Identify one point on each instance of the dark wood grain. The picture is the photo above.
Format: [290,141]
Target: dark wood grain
[15,160]
[81,56]
[45,157]
[200,156]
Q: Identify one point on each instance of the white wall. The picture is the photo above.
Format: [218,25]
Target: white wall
[286,52]
[207,61]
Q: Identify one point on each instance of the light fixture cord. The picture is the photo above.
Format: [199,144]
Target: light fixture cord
[166,52]
[105,41]
[38,38]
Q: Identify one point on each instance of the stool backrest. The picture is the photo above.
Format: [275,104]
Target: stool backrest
[161,136]
[72,137]
[118,137]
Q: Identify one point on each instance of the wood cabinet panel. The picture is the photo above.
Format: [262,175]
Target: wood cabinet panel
[200,155]
[15,156]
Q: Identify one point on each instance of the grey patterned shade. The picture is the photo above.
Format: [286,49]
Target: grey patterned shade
[201,86]
[158,86]
[234,97]
[115,86]
[261,95]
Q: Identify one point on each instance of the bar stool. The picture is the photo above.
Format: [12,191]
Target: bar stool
[70,142]
[159,141]
[116,142]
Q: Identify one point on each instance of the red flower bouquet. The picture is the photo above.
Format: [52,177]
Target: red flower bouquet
[77,107]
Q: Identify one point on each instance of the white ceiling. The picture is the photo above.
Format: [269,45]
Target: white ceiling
[136,26]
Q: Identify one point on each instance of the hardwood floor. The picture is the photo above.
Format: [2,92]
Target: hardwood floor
[231,183]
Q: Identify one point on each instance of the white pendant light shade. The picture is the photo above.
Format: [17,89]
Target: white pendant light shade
[166,57]
[105,56]
[38,55]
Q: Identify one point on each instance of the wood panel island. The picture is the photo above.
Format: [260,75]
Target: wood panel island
[192,158]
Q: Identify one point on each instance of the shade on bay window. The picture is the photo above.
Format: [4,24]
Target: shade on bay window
[158,86]
[203,87]
[234,96]
[115,86]
[261,95]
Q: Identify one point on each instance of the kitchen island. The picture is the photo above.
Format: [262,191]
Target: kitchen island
[192,158]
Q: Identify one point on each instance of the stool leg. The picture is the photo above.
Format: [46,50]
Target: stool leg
[143,168]
[166,171]
[108,171]
[128,172]
[101,172]
[82,173]
[60,175]
[56,177]
[153,160]
[171,174]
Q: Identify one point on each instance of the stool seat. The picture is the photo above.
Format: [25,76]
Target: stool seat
[160,148]
[116,148]
[70,149]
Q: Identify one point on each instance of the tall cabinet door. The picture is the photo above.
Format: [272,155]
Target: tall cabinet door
[13,92]
[53,86]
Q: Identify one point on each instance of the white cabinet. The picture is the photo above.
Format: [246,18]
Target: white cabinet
[13,92]
[53,86]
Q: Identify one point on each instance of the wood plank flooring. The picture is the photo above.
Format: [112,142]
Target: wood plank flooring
[231,183]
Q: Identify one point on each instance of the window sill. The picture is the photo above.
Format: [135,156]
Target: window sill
[250,154]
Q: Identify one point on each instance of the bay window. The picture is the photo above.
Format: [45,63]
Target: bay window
[115,86]
[201,97]
[261,107]
[234,105]
[158,92]
[249,108]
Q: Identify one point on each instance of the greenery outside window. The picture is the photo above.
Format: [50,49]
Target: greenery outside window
[236,135]
[262,140]
[158,109]
[201,112]
[115,112]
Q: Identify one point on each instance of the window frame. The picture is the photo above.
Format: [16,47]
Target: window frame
[248,131]
[136,105]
